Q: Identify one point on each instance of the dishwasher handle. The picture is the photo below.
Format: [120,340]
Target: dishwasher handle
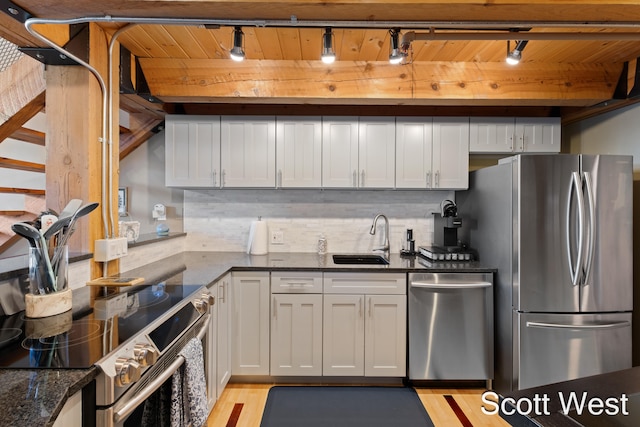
[450,285]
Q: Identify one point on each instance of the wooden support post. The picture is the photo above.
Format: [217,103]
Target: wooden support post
[74,108]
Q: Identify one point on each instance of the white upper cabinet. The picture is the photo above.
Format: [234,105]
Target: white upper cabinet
[248,151]
[358,153]
[514,135]
[299,152]
[432,153]
[450,165]
[414,146]
[538,135]
[340,152]
[377,152]
[192,151]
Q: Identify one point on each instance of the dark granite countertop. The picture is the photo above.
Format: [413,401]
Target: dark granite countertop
[611,386]
[35,398]
[207,267]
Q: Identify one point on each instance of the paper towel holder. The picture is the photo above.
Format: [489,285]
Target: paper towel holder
[258,241]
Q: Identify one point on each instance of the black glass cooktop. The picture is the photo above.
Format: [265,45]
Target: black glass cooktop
[65,341]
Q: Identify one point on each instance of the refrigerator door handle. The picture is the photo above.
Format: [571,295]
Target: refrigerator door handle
[575,184]
[612,325]
[591,240]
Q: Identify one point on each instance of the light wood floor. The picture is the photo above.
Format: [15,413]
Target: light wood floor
[254,396]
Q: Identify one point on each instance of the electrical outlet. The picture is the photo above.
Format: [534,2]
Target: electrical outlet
[110,249]
[277,237]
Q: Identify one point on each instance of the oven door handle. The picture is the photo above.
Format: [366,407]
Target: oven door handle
[144,394]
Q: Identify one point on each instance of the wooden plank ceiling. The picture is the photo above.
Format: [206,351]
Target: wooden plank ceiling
[188,66]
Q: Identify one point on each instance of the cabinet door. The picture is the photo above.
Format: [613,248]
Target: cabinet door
[299,152]
[376,152]
[248,151]
[250,323]
[343,335]
[223,362]
[538,135]
[451,153]
[340,152]
[296,334]
[210,346]
[385,336]
[491,134]
[192,151]
[414,142]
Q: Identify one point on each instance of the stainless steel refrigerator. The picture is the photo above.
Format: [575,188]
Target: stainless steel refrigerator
[559,230]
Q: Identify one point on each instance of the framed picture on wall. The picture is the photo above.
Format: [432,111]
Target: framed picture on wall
[122,201]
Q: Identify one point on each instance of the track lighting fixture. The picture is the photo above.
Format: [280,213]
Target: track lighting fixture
[237,51]
[395,53]
[328,54]
[514,56]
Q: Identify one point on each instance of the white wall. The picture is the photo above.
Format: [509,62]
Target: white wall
[617,132]
[142,172]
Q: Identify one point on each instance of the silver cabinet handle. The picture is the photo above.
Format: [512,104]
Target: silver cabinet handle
[437,180]
[360,307]
[442,286]
[521,141]
[613,325]
[215,176]
[223,178]
[362,178]
[429,179]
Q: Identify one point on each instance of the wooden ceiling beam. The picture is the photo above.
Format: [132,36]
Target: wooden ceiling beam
[370,83]
[143,130]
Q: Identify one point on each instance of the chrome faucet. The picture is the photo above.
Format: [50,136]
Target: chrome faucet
[385,247]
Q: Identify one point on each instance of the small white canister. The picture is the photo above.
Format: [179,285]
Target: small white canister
[322,245]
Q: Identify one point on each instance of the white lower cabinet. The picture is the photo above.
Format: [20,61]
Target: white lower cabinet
[364,333]
[71,413]
[296,334]
[250,323]
[223,333]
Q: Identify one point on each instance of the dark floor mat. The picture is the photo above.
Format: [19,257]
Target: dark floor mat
[319,406]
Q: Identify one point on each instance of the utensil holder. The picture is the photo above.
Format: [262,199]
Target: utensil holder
[48,305]
[48,276]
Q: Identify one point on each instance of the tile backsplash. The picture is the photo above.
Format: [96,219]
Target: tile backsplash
[219,220]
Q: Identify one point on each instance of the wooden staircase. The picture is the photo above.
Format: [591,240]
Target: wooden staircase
[22,97]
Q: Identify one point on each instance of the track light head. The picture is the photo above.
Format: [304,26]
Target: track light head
[328,53]
[237,51]
[514,56]
[396,55]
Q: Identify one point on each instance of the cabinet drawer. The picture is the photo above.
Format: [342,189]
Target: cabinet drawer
[296,282]
[365,283]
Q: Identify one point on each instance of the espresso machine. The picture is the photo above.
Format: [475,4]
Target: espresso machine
[445,245]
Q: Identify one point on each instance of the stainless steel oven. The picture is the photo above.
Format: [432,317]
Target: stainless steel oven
[137,370]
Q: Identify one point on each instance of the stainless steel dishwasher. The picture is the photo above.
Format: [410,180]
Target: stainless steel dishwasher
[451,326]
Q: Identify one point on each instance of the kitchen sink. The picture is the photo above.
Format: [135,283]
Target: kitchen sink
[359,259]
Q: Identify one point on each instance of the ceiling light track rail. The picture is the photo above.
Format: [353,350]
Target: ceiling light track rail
[430,26]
